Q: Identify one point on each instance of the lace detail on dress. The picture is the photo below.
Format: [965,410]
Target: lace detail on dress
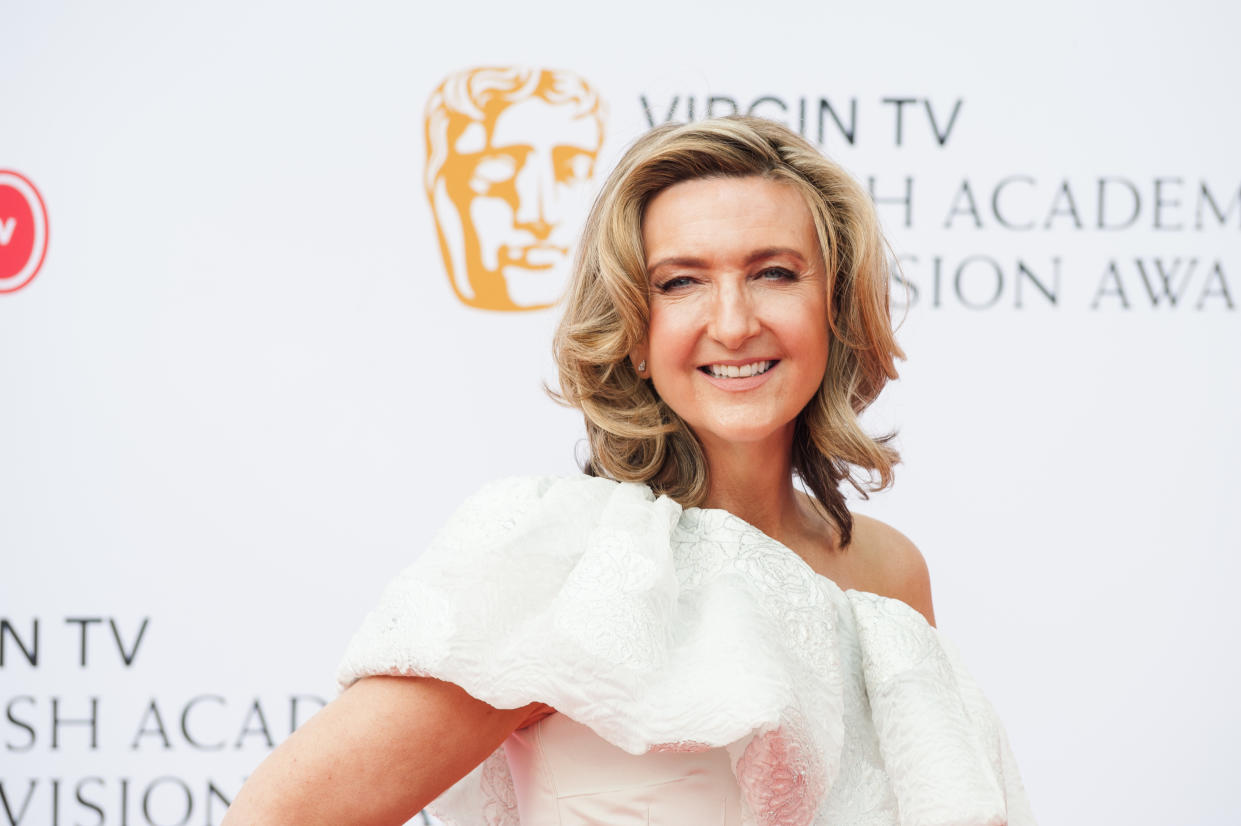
[782,777]
[497,786]
[682,747]
[932,747]
[785,771]
[605,605]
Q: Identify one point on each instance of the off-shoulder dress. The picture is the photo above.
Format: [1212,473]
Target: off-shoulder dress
[703,673]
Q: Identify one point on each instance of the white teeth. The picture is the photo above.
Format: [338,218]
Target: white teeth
[733,371]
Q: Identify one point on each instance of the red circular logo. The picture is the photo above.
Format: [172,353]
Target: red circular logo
[23,231]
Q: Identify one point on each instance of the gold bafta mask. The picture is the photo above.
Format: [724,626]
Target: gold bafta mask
[510,156]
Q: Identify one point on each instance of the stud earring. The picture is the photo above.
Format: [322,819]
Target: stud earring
[642,366]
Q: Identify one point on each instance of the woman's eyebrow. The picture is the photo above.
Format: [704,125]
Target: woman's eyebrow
[687,261]
[773,252]
[693,263]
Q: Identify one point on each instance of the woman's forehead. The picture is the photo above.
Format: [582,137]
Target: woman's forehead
[726,219]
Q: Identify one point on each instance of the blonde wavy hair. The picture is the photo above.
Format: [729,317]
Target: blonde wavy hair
[633,435]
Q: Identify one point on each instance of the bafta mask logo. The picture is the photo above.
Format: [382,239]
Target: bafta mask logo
[510,156]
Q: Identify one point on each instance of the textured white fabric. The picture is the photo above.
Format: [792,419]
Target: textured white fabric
[668,629]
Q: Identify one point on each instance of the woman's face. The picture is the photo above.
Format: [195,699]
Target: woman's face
[738,336]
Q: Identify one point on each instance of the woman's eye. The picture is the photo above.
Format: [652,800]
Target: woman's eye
[674,283]
[778,274]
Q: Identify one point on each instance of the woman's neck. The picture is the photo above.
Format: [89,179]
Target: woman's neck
[755,482]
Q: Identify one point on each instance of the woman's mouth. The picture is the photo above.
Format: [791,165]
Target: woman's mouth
[738,371]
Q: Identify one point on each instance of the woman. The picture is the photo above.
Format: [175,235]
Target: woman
[681,636]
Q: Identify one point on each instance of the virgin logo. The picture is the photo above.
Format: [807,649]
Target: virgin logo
[23,231]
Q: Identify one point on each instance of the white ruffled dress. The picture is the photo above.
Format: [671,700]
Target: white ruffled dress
[703,673]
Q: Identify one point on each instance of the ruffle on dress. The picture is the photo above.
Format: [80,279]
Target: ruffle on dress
[669,629]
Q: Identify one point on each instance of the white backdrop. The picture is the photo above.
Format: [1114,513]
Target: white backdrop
[240,394]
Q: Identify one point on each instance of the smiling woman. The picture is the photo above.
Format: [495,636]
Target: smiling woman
[738,234]
[679,637]
[737,339]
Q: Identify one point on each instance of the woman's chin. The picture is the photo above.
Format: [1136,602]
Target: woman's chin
[742,434]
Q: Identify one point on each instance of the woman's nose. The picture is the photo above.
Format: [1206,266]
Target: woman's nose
[733,317]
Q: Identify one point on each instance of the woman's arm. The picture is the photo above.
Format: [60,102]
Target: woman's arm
[377,754]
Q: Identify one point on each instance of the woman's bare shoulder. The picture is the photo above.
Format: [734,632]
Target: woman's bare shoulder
[894,567]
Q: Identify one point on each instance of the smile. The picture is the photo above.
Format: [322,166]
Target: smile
[737,371]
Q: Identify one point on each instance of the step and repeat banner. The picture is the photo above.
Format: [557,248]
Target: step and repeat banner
[277,289]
